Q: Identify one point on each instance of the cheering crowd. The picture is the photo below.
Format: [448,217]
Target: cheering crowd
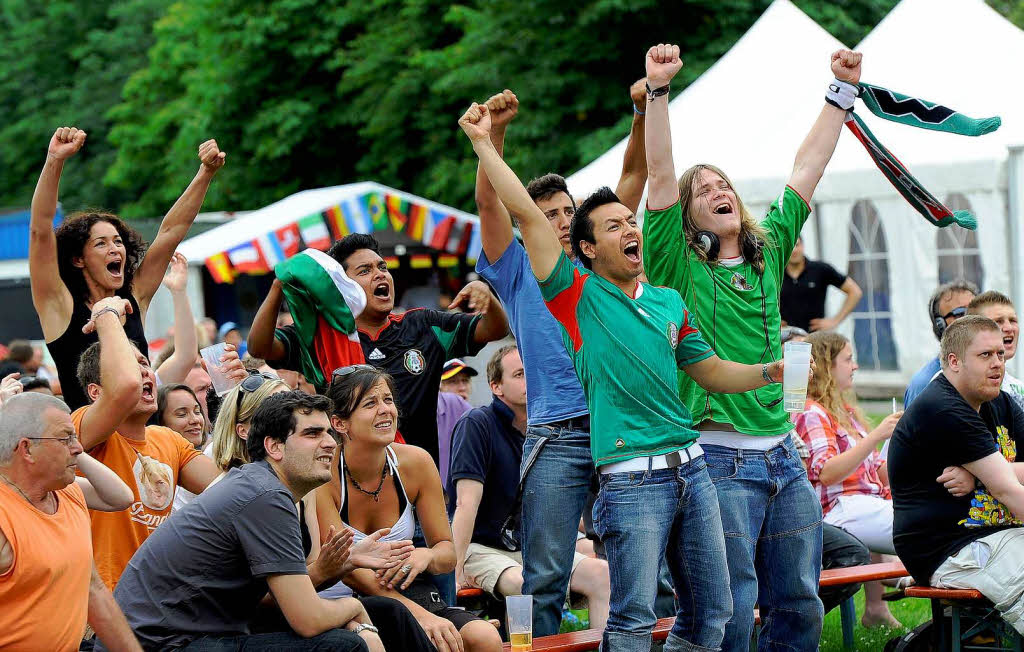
[636,453]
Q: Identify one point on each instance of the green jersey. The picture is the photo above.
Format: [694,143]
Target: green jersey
[738,309]
[626,351]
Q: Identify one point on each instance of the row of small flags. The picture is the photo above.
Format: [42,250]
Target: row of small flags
[452,235]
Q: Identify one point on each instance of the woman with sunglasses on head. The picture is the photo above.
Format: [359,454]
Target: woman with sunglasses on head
[376,484]
[328,557]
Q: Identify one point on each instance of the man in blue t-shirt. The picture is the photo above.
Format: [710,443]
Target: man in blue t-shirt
[947,304]
[557,485]
[486,450]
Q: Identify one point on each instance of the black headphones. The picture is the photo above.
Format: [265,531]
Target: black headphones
[938,322]
[708,243]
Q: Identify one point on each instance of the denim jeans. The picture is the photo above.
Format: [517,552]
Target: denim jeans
[554,494]
[772,521]
[333,640]
[644,517]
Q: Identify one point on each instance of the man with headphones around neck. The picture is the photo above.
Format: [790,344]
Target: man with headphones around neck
[728,267]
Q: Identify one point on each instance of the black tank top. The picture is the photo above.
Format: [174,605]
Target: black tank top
[68,348]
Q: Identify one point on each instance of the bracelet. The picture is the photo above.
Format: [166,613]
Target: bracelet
[96,315]
[638,111]
[656,92]
[842,94]
[363,627]
[764,374]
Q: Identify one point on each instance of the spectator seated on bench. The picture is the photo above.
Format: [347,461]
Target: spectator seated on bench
[487,446]
[955,481]
[844,465]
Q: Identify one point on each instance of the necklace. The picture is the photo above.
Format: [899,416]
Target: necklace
[23,494]
[380,486]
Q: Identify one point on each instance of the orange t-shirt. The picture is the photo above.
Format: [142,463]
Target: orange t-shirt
[151,469]
[45,592]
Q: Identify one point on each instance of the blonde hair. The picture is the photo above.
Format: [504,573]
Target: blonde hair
[230,450]
[751,230]
[959,335]
[822,387]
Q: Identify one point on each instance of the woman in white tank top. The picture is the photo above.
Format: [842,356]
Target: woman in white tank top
[378,484]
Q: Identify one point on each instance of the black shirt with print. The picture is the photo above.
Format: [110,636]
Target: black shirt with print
[938,430]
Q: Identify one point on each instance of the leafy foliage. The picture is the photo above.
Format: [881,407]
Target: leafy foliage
[308,93]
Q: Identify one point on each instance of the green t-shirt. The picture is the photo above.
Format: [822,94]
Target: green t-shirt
[626,352]
[737,309]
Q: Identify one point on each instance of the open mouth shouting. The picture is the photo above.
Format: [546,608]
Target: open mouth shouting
[632,251]
[147,391]
[382,290]
[115,267]
[722,207]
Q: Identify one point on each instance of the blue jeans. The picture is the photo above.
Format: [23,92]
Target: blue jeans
[772,522]
[553,498]
[644,517]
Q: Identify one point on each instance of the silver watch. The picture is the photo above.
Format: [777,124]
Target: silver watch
[363,627]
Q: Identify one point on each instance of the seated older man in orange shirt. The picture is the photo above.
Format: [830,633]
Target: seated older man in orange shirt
[48,583]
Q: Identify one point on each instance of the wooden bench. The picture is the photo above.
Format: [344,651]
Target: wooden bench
[858,575]
[590,639]
[965,602]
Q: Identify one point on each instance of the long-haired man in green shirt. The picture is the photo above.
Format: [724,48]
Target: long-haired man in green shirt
[727,266]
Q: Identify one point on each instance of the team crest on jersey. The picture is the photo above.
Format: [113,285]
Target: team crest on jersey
[740,282]
[673,334]
[414,362]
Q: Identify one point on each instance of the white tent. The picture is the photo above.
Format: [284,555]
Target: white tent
[294,207]
[750,111]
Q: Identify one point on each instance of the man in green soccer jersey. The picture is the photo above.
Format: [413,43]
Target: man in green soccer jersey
[728,267]
[626,340]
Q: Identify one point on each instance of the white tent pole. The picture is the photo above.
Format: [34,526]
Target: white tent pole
[1015,222]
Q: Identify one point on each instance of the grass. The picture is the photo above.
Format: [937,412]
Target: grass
[909,611]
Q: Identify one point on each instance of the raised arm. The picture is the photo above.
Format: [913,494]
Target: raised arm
[662,63]
[104,490]
[817,148]
[634,164]
[186,344]
[493,324]
[50,296]
[121,377]
[540,240]
[261,340]
[495,223]
[175,226]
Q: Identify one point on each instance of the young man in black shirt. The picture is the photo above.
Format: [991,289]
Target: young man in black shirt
[802,300]
[411,346]
[955,480]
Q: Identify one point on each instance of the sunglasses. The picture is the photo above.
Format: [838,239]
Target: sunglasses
[341,372]
[955,313]
[251,384]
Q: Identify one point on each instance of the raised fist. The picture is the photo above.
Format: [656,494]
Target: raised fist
[211,156]
[846,66]
[663,63]
[66,142]
[503,107]
[476,122]
[638,93]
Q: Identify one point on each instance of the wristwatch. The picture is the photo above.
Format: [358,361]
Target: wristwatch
[363,627]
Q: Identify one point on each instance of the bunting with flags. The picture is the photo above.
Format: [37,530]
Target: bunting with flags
[454,236]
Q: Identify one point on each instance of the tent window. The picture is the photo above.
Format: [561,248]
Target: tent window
[959,256]
[869,267]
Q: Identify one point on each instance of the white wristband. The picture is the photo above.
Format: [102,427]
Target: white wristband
[842,94]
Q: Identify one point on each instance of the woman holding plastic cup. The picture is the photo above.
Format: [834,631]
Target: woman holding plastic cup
[844,465]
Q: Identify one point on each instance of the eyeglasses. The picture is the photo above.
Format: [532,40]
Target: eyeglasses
[341,372]
[251,384]
[955,313]
[68,441]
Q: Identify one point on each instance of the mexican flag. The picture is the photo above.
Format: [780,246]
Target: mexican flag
[324,303]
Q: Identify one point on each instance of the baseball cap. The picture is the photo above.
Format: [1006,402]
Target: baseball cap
[226,328]
[454,366]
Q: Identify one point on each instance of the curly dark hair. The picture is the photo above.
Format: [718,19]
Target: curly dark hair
[72,237]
